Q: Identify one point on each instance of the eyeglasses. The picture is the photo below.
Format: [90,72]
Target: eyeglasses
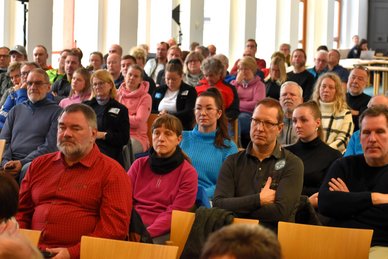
[205,109]
[99,84]
[265,124]
[36,83]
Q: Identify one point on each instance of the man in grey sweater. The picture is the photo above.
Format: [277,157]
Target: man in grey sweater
[30,128]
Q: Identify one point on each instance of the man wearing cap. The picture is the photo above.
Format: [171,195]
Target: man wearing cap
[18,54]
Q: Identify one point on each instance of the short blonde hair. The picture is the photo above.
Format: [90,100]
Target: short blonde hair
[106,77]
[249,63]
[138,53]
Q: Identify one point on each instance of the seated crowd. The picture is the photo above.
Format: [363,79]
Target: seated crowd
[254,141]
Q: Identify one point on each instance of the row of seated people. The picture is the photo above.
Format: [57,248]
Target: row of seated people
[263,182]
[178,98]
[100,85]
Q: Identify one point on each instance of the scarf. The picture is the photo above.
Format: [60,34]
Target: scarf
[164,165]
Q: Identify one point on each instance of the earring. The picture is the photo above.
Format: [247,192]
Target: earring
[316,129]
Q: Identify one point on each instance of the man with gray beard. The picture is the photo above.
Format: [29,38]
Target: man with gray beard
[291,95]
[76,191]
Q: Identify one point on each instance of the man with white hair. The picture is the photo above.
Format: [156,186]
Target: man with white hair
[320,64]
[291,95]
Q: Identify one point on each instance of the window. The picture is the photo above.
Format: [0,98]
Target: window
[302,28]
[337,24]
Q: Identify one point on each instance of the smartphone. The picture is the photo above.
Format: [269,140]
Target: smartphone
[47,254]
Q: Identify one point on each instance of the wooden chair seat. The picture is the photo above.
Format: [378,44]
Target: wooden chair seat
[102,248]
[300,241]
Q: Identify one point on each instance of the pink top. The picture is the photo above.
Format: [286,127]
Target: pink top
[139,105]
[250,94]
[74,99]
[156,195]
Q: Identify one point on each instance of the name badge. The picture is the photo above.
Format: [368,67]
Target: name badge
[185,92]
[114,110]
[280,164]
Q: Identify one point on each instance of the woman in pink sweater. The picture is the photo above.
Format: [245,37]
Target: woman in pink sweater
[80,88]
[163,181]
[133,93]
[250,90]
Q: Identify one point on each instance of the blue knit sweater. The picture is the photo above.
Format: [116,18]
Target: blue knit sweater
[206,157]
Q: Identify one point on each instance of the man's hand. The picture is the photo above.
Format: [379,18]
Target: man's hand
[379,198]
[60,253]
[101,135]
[314,200]
[337,185]
[267,195]
[13,167]
[163,112]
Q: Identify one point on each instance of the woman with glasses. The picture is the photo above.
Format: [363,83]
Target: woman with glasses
[80,88]
[163,181]
[175,97]
[208,144]
[337,119]
[192,68]
[112,116]
[250,90]
[307,122]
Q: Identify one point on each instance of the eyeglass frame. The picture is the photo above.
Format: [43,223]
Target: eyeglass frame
[265,124]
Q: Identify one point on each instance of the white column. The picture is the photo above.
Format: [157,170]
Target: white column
[242,27]
[40,25]
[287,20]
[128,20]
[192,15]
[320,25]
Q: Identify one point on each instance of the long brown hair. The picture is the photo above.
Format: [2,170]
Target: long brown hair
[222,122]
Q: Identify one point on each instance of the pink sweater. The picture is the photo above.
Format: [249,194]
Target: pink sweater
[139,104]
[74,99]
[251,94]
[155,196]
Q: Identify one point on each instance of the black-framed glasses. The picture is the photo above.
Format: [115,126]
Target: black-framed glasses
[265,124]
[36,83]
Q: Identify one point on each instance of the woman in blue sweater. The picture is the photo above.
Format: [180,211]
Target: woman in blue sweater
[208,144]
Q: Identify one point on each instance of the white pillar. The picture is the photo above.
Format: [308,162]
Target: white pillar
[40,24]
[128,24]
[242,27]
[192,16]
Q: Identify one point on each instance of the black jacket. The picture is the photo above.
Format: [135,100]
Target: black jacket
[115,122]
[185,103]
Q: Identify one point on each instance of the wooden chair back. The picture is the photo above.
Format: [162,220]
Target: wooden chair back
[102,248]
[181,224]
[32,235]
[151,120]
[2,147]
[308,241]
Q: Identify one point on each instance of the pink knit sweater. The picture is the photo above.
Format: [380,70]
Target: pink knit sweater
[139,104]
